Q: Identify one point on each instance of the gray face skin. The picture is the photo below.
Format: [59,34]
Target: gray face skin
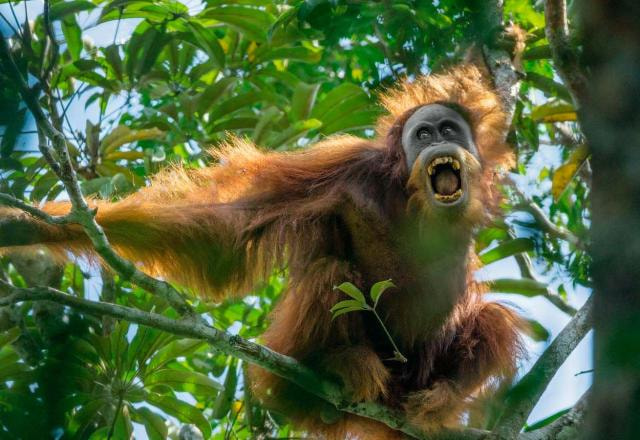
[434,125]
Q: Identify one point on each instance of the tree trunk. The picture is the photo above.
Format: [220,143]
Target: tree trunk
[611,122]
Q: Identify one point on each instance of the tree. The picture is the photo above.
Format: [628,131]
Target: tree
[170,80]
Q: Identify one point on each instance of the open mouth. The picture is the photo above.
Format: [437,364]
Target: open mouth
[445,178]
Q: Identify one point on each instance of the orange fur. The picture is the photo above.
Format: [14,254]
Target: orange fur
[346,209]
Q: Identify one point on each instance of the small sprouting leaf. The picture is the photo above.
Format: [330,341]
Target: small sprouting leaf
[348,303]
[378,289]
[352,291]
[345,310]
[397,356]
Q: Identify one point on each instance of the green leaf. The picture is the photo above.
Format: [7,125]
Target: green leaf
[303,100]
[537,53]
[335,98]
[352,291]
[378,289]
[233,104]
[11,132]
[544,422]
[189,381]
[298,53]
[348,303]
[181,347]
[549,86]
[294,132]
[123,428]
[9,336]
[212,93]
[112,55]
[143,49]
[537,331]
[253,23]
[356,119]
[206,40]
[486,236]
[521,286]
[224,400]
[154,424]
[61,9]
[344,310]
[72,35]
[181,410]
[269,115]
[507,249]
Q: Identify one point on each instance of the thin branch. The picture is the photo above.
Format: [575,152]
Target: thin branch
[81,212]
[8,200]
[276,363]
[547,225]
[565,58]
[526,393]
[51,48]
[527,271]
[566,427]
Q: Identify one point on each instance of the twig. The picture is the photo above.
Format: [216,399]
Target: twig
[547,225]
[565,58]
[527,271]
[52,47]
[526,393]
[565,427]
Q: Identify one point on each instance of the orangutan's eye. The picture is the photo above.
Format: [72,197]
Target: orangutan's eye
[424,134]
[447,131]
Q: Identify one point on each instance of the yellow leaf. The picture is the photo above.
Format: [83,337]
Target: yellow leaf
[251,51]
[564,174]
[356,74]
[554,111]
[127,155]
[123,135]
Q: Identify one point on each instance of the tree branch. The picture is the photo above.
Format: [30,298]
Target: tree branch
[565,58]
[546,225]
[276,363]
[8,200]
[526,393]
[80,212]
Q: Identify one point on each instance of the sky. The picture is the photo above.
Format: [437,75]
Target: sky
[567,385]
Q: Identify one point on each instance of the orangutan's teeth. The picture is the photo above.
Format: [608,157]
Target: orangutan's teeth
[442,160]
[449,198]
